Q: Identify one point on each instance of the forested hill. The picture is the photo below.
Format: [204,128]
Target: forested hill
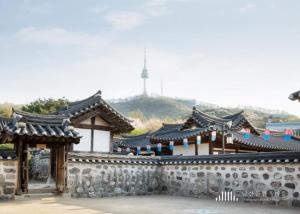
[168,109]
[149,112]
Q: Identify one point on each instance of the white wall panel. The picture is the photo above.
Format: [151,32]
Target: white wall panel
[203,149]
[85,141]
[180,150]
[101,141]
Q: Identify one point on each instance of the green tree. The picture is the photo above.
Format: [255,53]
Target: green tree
[45,106]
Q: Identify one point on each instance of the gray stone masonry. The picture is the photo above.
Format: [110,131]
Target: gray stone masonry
[103,178]
[263,181]
[8,179]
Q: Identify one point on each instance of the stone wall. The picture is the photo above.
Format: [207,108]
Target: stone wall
[107,175]
[8,179]
[268,183]
[272,178]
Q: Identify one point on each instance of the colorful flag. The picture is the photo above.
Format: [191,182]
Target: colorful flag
[148,148]
[185,143]
[171,146]
[247,134]
[266,135]
[138,150]
[198,140]
[213,136]
[287,135]
[159,147]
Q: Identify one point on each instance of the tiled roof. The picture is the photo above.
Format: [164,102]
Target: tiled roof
[177,132]
[134,141]
[276,143]
[28,124]
[7,154]
[204,120]
[174,132]
[78,108]
[3,122]
[167,132]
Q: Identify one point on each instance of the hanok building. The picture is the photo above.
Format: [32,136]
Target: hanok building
[26,130]
[86,125]
[97,122]
[194,137]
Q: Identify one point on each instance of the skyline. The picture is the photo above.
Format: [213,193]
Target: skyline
[233,53]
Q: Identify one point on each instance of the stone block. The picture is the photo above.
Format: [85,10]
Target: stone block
[9,170]
[296,203]
[9,190]
[277,176]
[266,176]
[74,170]
[10,176]
[289,169]
[289,177]
[276,184]
[290,185]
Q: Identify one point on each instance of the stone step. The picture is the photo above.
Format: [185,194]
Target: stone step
[39,195]
[41,191]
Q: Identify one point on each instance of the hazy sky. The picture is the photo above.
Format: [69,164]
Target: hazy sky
[233,52]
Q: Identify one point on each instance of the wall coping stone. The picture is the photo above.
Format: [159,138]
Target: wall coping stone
[241,158]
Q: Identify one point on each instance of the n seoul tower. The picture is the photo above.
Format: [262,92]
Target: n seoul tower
[145,73]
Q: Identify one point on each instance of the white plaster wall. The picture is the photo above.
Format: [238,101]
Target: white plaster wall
[86,121]
[180,150]
[101,141]
[203,149]
[85,141]
[100,121]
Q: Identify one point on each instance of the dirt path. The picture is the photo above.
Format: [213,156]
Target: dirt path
[135,205]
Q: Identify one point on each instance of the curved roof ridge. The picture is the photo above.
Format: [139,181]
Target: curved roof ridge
[210,117]
[171,124]
[241,112]
[5,118]
[78,108]
[97,94]
[116,111]
[41,118]
[24,113]
[134,136]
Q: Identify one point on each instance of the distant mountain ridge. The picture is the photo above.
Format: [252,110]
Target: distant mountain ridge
[169,109]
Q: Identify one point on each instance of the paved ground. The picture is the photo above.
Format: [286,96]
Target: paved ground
[134,205]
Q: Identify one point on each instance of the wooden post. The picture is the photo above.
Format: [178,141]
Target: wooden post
[19,155]
[196,148]
[93,119]
[25,170]
[60,158]
[66,165]
[111,149]
[211,146]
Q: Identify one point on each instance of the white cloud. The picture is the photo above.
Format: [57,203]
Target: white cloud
[247,8]
[58,36]
[157,7]
[124,20]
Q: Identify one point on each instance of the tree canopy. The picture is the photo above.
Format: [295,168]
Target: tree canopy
[45,106]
